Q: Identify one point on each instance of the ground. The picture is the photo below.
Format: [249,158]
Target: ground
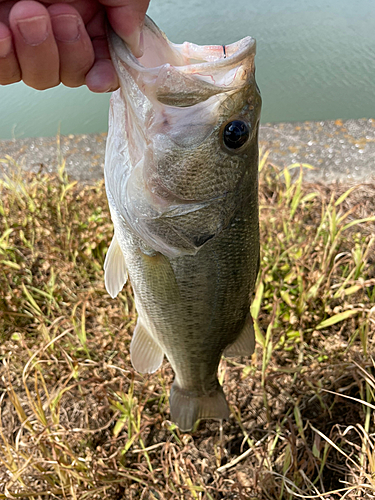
[76,420]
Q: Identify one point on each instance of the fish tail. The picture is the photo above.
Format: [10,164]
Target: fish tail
[187,408]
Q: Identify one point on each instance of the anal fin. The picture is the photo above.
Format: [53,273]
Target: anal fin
[145,354]
[115,273]
[245,343]
[187,408]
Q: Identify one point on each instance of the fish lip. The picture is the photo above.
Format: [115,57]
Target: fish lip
[241,50]
[248,48]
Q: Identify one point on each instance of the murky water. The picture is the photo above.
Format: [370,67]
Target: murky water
[315,61]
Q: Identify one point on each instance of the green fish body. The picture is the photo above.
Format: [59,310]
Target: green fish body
[181,176]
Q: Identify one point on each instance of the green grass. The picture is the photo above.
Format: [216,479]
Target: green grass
[76,420]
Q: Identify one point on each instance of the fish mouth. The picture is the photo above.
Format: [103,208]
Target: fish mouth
[163,93]
[190,57]
[221,66]
[170,76]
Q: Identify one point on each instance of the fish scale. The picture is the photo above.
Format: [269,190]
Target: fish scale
[184,204]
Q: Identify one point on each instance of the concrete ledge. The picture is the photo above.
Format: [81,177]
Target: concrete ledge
[339,150]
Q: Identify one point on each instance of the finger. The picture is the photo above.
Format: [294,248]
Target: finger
[102,77]
[76,53]
[126,18]
[87,9]
[9,68]
[35,44]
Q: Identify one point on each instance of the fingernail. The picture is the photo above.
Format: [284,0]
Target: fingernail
[65,27]
[5,47]
[100,79]
[34,31]
[135,42]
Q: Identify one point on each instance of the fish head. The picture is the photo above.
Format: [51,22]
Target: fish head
[189,119]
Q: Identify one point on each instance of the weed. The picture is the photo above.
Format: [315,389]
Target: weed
[77,422]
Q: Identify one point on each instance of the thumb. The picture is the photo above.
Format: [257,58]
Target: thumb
[126,18]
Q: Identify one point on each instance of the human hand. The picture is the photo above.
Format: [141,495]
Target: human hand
[47,42]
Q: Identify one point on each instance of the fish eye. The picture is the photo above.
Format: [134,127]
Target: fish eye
[235,134]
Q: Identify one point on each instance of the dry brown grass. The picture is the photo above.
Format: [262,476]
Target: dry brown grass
[76,420]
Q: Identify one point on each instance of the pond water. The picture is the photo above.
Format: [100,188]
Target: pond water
[315,61]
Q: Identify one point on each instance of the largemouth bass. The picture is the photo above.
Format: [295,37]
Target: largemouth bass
[181,175]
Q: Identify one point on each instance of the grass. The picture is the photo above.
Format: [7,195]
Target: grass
[77,422]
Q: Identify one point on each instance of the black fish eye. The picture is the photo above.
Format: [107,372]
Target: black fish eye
[235,134]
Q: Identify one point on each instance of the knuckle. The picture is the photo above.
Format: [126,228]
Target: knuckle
[74,78]
[10,80]
[72,83]
[41,85]
[10,76]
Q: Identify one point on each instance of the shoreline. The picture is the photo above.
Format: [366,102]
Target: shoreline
[340,150]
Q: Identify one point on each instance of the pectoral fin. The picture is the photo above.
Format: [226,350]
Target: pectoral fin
[145,354]
[245,343]
[115,274]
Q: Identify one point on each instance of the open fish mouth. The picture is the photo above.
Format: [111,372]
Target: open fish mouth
[184,74]
[172,100]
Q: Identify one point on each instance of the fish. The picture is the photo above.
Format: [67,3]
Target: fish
[181,177]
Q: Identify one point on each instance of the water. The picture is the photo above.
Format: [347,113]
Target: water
[315,61]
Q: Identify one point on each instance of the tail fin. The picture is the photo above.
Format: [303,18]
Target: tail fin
[186,408]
